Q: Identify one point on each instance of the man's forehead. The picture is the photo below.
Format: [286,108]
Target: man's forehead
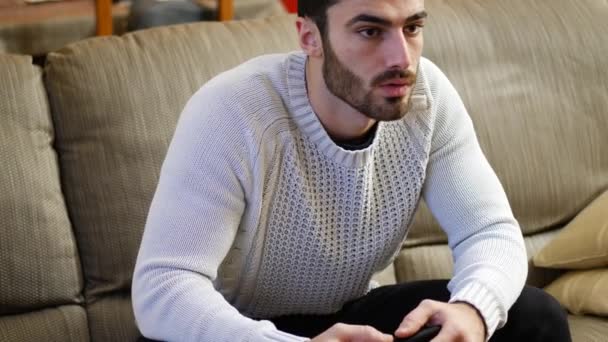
[390,10]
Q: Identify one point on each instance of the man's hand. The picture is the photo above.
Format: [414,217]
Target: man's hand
[460,322]
[352,333]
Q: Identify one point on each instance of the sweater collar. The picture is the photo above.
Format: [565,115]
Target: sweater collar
[301,111]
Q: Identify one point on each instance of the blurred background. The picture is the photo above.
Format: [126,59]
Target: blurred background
[36,27]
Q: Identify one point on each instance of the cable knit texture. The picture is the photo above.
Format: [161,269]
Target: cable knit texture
[258,213]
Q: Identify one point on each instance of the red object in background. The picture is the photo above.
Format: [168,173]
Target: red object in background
[291,5]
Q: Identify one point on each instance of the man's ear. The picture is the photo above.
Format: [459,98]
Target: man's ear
[309,37]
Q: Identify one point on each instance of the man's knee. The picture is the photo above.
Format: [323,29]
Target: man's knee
[537,316]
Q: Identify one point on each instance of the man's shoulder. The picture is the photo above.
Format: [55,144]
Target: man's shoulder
[426,65]
[432,74]
[247,98]
[437,86]
[258,76]
[253,92]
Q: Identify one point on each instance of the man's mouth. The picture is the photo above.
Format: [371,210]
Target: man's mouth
[397,82]
[395,88]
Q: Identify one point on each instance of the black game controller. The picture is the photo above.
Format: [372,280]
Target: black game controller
[423,335]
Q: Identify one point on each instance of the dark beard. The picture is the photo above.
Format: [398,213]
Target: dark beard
[349,88]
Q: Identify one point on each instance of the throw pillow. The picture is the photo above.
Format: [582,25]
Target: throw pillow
[583,243]
[582,292]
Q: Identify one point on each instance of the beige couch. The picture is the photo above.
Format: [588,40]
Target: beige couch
[82,141]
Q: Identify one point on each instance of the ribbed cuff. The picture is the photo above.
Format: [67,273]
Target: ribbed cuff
[485,302]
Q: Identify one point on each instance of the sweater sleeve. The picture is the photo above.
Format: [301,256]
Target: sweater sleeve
[192,222]
[466,197]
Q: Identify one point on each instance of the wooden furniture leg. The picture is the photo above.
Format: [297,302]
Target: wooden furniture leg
[225,9]
[103,17]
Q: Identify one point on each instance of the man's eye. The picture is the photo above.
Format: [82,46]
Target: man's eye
[413,30]
[370,32]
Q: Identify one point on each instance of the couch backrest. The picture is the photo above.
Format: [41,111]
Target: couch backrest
[534,77]
[115,103]
[40,279]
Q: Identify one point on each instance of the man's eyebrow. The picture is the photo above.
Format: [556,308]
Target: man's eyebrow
[417,16]
[382,21]
[369,19]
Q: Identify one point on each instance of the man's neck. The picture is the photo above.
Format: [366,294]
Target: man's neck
[341,121]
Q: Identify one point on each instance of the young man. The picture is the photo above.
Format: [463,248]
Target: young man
[292,178]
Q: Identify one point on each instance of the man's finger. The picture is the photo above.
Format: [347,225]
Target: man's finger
[416,319]
[447,334]
[367,333]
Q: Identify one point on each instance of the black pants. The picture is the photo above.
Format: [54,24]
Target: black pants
[535,316]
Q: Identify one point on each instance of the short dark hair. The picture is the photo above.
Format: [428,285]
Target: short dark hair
[317,11]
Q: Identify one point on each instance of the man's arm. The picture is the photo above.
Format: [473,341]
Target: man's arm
[467,199]
[191,226]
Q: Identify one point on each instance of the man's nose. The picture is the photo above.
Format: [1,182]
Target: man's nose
[398,55]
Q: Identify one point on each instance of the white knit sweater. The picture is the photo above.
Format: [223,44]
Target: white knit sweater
[258,213]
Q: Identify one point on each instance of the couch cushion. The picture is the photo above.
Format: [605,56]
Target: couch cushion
[588,328]
[38,257]
[66,323]
[111,318]
[583,243]
[116,101]
[582,291]
[534,77]
[435,262]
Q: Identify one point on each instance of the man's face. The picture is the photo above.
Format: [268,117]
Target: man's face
[371,53]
